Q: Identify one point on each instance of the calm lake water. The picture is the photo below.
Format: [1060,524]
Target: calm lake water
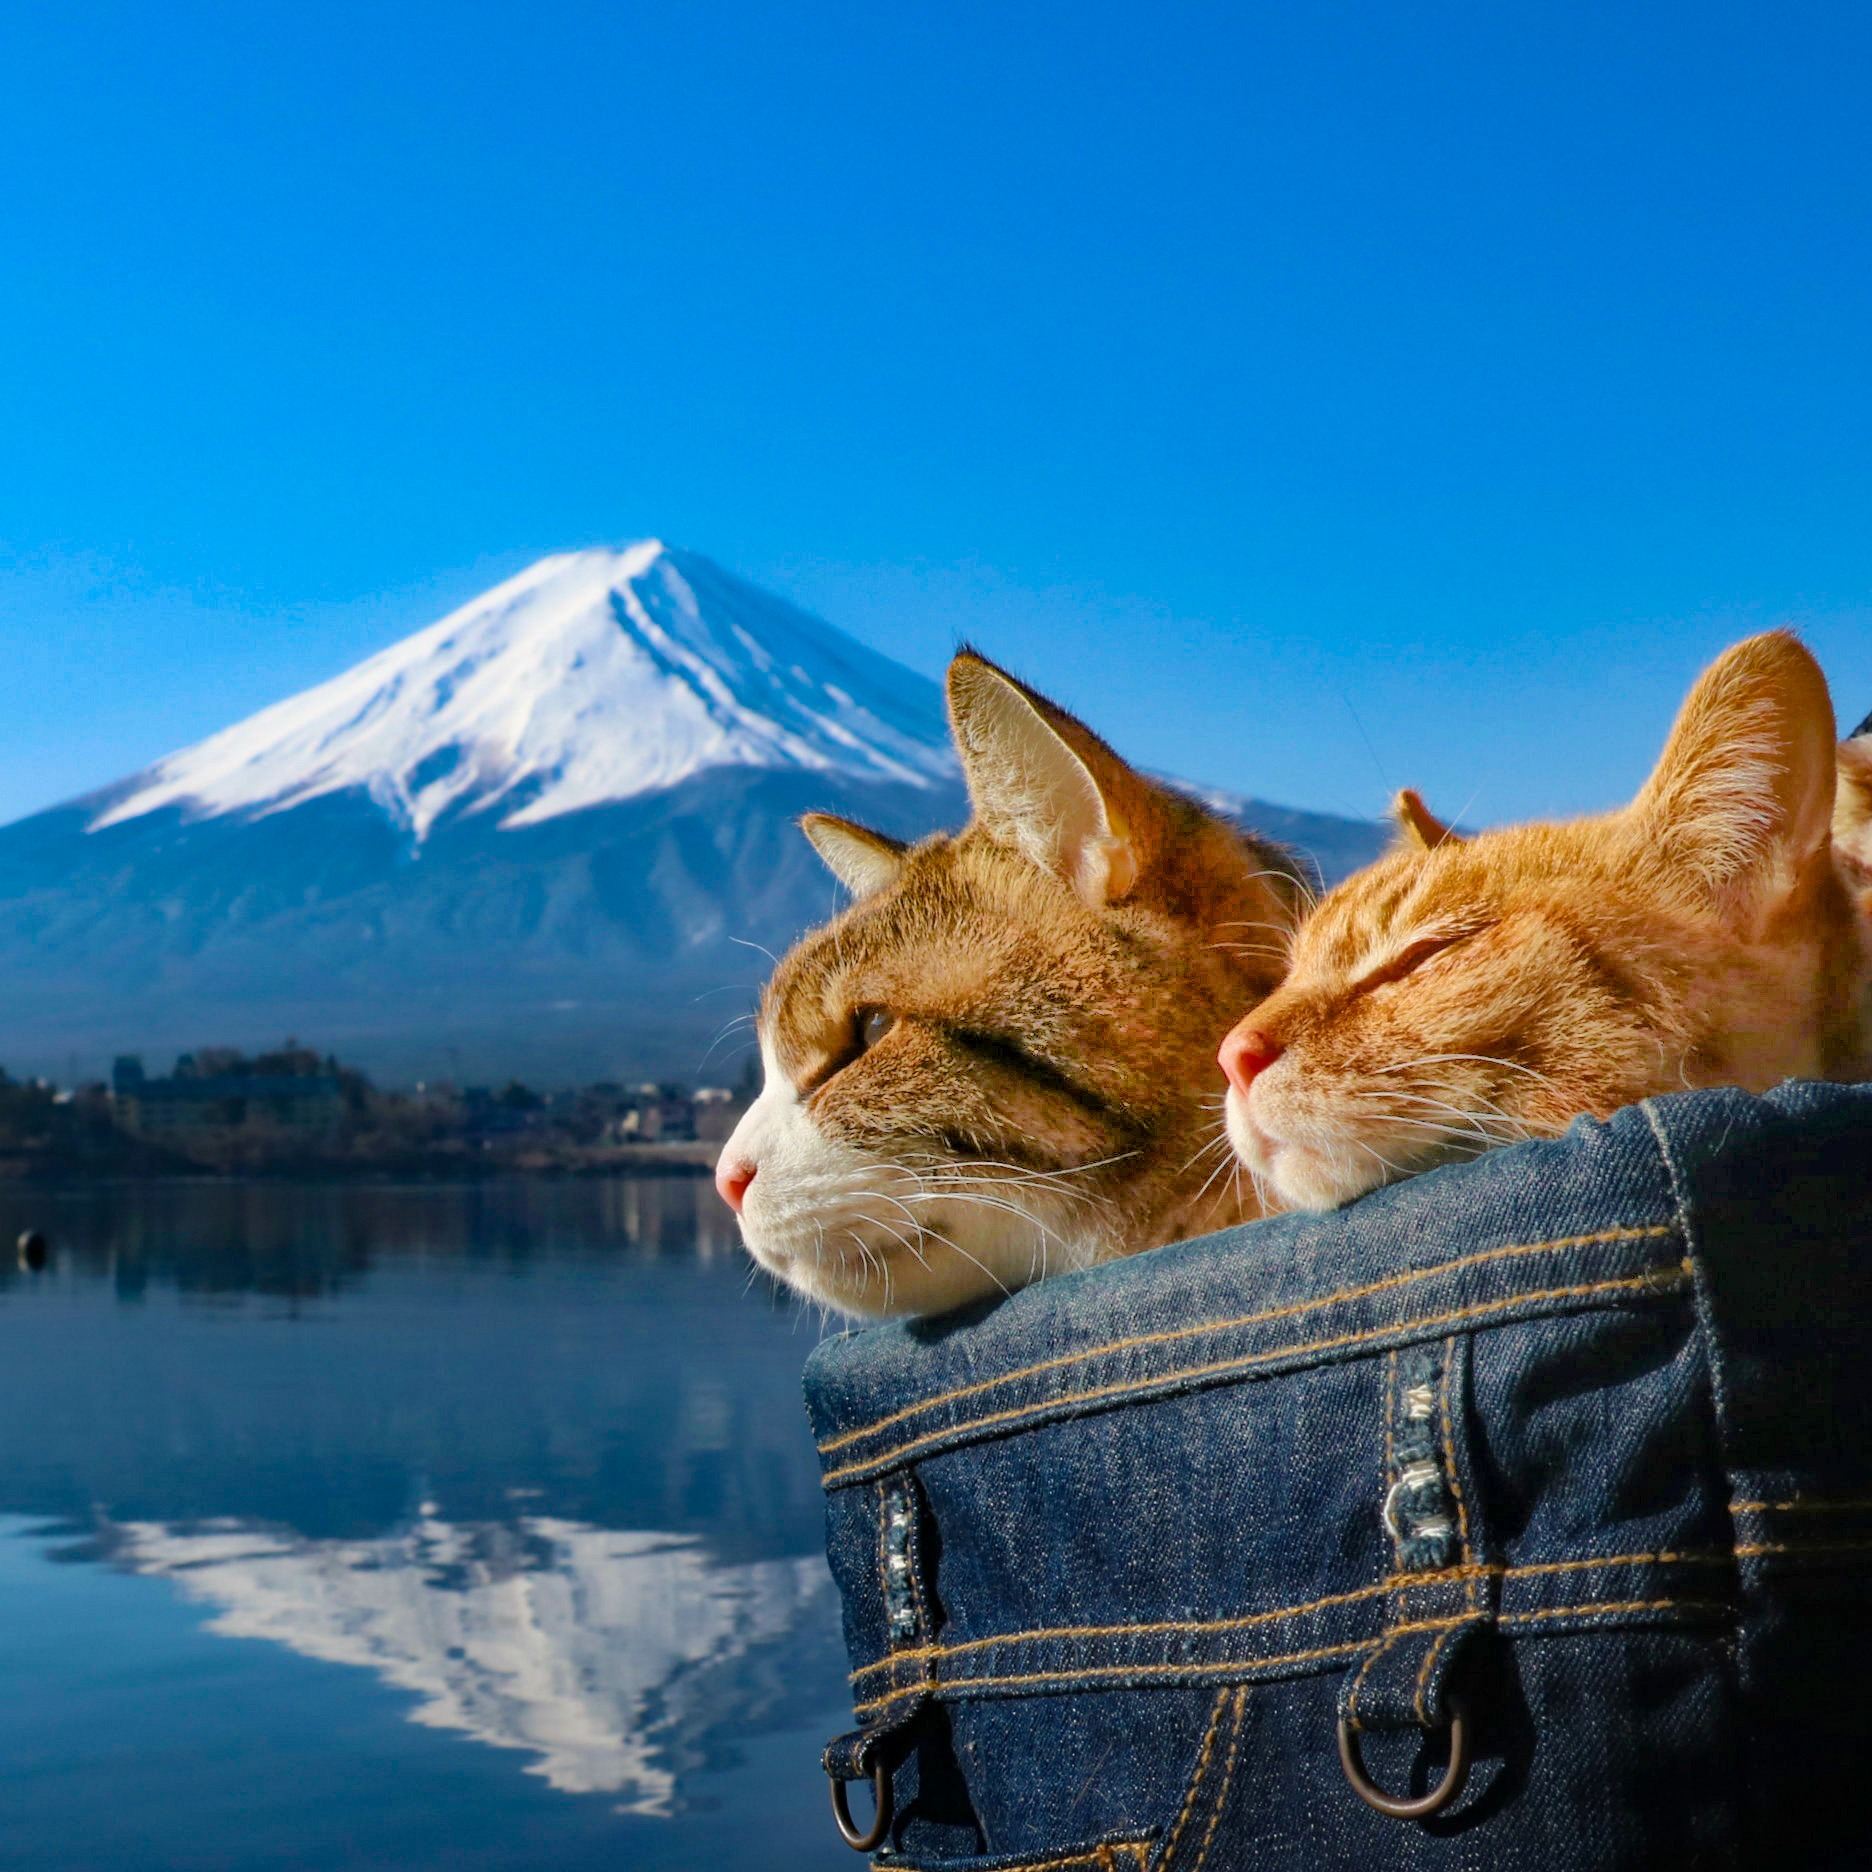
[407,1527]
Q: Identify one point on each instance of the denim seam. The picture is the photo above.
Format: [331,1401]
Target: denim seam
[1659,1281]
[1228,1781]
[1389,1403]
[1449,1464]
[1423,1673]
[1803,1504]
[1099,1855]
[1755,1548]
[1646,1232]
[1068,1678]
[1699,1285]
[1603,1611]
[881,1555]
[1395,1583]
[1358,1683]
[1196,1780]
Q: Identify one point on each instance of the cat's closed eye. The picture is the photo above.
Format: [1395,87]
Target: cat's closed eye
[1411,958]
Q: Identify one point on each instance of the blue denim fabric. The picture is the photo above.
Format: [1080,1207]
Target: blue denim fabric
[1579,1433]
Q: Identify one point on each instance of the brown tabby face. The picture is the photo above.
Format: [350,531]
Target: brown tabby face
[1464,993]
[999,1063]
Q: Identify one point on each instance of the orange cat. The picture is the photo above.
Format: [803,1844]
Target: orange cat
[1461,993]
[998,1063]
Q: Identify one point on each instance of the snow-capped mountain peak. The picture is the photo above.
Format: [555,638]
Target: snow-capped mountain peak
[589,678]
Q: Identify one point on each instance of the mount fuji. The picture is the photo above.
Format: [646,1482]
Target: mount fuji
[549,836]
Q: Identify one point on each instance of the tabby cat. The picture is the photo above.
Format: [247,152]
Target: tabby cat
[999,1062]
[1463,992]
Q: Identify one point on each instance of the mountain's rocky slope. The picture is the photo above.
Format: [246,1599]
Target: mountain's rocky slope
[549,836]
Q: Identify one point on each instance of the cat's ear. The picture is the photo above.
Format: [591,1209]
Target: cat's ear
[1043,782]
[1419,829]
[1742,800]
[1852,803]
[862,860]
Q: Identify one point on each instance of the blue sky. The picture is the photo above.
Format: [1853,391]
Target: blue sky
[1320,399]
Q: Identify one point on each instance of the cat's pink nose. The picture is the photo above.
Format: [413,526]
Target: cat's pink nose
[732,1177]
[1246,1052]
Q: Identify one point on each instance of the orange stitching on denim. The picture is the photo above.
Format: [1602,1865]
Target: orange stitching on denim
[1156,1628]
[1594,1607]
[1228,1781]
[1449,1455]
[1390,1423]
[1803,1547]
[1646,1233]
[883,1549]
[1711,1558]
[1100,1856]
[1628,1284]
[1423,1676]
[1358,1682]
[1196,1780]
[1115,1670]
[1455,1488]
[936,1684]
[1395,1582]
[1801,1504]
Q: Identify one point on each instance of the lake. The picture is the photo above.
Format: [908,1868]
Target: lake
[464,1526]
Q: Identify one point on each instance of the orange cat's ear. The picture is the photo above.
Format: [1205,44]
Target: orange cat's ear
[1743,797]
[862,860]
[1043,782]
[1419,829]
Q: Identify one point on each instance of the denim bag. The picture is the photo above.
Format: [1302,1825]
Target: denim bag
[1518,1515]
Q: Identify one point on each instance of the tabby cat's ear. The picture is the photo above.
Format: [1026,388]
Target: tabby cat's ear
[1043,782]
[1742,799]
[862,860]
[1419,829]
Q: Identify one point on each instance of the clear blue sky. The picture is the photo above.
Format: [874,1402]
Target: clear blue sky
[1319,398]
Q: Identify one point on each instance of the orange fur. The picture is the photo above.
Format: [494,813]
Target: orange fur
[999,1061]
[1460,994]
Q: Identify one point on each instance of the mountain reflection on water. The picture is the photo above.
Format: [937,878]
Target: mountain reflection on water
[527,1457]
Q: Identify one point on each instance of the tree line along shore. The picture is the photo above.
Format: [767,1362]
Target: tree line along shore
[295,1111]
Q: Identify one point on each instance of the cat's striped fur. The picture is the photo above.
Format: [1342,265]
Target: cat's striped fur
[999,1062]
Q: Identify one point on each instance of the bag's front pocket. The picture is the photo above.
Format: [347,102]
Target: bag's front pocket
[1113,1781]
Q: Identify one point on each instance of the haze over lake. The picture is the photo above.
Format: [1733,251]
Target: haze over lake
[405,1527]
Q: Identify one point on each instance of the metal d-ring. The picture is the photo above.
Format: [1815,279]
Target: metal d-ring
[1425,1805]
[874,1835]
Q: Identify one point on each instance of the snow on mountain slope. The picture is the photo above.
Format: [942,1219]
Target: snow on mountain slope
[590,678]
[548,837]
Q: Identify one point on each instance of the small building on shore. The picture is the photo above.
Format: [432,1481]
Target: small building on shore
[190,1103]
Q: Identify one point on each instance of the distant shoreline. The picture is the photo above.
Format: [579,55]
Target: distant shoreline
[675,1159]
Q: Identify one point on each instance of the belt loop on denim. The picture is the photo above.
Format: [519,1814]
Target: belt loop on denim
[1440,1596]
[871,1753]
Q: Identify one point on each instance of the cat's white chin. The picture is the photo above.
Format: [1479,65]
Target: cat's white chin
[1301,1173]
[854,1271]
[881,1250]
